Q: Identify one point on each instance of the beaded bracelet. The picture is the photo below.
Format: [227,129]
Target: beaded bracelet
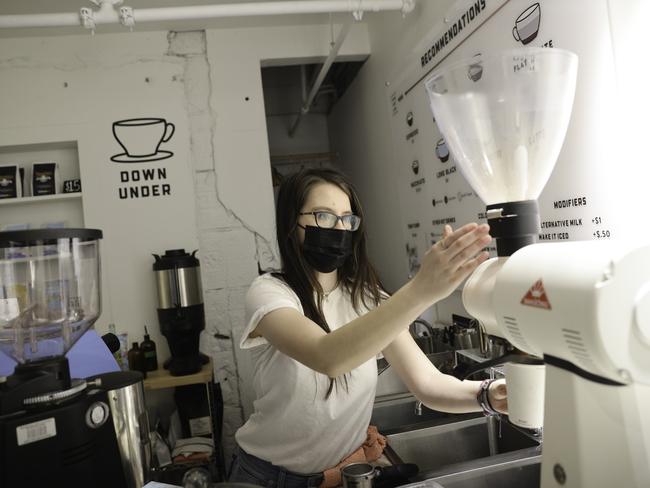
[484,400]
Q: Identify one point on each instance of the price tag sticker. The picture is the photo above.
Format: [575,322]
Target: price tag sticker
[72,186]
[36,431]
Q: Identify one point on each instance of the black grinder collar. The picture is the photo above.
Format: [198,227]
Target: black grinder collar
[513,225]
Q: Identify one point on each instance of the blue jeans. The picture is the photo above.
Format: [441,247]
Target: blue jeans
[246,468]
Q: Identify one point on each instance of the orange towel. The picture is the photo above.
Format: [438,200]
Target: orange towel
[368,452]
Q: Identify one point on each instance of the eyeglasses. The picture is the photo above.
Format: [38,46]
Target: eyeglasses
[328,220]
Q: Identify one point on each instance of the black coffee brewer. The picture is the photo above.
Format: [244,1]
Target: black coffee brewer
[56,430]
[180,309]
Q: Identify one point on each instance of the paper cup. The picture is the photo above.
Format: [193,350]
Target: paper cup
[525,384]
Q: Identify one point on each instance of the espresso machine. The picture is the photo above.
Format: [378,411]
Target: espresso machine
[577,311]
[56,430]
[180,309]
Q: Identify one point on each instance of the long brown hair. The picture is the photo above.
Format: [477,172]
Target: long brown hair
[357,275]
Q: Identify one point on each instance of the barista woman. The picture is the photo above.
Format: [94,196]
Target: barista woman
[315,330]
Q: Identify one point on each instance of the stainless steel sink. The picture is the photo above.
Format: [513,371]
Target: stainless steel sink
[525,473]
[521,473]
[398,415]
[456,451]
[447,449]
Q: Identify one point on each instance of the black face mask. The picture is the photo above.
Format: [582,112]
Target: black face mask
[326,249]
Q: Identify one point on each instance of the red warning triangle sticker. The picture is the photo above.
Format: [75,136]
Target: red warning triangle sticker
[536,296]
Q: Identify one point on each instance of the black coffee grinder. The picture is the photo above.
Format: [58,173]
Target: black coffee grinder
[56,430]
[180,309]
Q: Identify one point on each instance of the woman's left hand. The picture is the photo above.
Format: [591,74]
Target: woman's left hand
[498,396]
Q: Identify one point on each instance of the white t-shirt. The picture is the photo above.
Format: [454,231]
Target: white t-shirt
[293,425]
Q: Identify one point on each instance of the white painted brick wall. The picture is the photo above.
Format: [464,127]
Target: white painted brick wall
[228,257]
[186,43]
[226,372]
[212,215]
[227,250]
[197,88]
[215,302]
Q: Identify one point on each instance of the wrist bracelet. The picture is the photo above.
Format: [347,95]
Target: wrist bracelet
[483,399]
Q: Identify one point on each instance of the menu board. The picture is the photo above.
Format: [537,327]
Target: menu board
[587,195]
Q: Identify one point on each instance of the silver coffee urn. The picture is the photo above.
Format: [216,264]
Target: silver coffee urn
[180,309]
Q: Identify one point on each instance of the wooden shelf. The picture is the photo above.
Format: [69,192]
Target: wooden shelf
[162,379]
[44,198]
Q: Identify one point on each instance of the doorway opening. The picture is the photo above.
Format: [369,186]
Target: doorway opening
[299,140]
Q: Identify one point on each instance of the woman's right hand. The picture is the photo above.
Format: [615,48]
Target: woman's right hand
[450,260]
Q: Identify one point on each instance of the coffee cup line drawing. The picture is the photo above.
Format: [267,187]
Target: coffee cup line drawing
[475,70]
[441,150]
[409,119]
[141,139]
[527,24]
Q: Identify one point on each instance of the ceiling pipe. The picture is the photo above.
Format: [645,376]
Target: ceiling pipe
[334,51]
[109,13]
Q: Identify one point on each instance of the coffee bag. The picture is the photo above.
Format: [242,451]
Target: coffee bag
[45,179]
[10,186]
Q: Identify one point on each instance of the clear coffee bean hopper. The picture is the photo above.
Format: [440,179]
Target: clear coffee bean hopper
[504,117]
[49,296]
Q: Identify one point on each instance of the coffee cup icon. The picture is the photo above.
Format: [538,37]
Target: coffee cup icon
[475,72]
[409,119]
[141,139]
[527,24]
[441,150]
[415,166]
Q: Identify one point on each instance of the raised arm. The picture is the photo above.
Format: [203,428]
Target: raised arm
[442,269]
[436,390]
